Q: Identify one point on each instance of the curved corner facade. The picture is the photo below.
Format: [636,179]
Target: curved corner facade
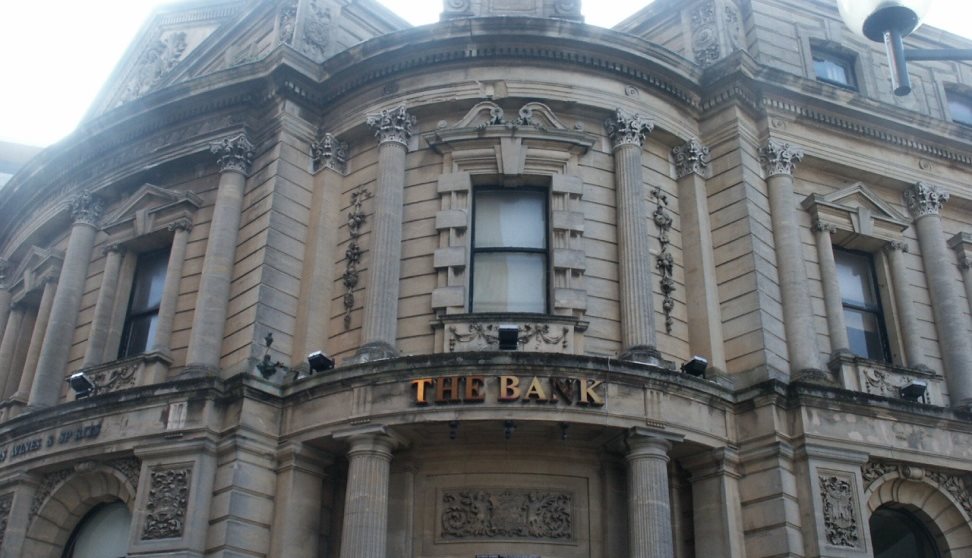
[698,286]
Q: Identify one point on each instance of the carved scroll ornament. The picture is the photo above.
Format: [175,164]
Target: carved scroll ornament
[506,514]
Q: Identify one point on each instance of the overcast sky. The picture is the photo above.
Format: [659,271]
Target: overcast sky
[56,54]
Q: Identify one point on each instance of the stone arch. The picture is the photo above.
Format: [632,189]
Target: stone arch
[946,518]
[63,499]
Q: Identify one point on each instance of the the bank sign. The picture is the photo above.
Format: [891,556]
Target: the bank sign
[507,389]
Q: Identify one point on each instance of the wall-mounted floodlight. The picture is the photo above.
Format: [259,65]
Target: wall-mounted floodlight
[914,391]
[82,385]
[889,22]
[696,366]
[319,361]
[509,337]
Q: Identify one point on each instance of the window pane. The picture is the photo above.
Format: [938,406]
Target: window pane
[899,534]
[505,282]
[960,108]
[864,334]
[103,533]
[857,285]
[139,332]
[510,218]
[149,281]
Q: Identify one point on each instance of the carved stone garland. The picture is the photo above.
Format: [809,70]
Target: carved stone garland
[352,255]
[168,500]
[489,333]
[6,504]
[506,514]
[840,516]
[664,262]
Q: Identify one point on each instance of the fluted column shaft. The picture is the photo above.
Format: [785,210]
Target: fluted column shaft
[5,295]
[94,353]
[925,202]
[170,290]
[366,502]
[649,505]
[638,336]
[801,336]
[966,267]
[962,244]
[209,318]
[380,325]
[8,346]
[46,388]
[37,343]
[904,305]
[833,300]
[701,290]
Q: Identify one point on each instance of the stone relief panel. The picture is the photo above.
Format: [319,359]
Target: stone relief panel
[840,510]
[316,31]
[157,61]
[705,34]
[6,504]
[168,502]
[352,254]
[506,514]
[541,338]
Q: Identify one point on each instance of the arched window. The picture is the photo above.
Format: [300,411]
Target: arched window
[103,533]
[897,533]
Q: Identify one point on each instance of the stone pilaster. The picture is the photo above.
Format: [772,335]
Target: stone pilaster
[20,499]
[962,244]
[94,353]
[904,306]
[715,503]
[393,128]
[366,502]
[638,336]
[4,294]
[925,203]
[86,211]
[8,347]
[297,517]
[37,342]
[649,506]
[702,293]
[833,300]
[779,160]
[234,156]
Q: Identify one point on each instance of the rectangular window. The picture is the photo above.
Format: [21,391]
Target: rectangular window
[834,69]
[143,305]
[509,255]
[863,315]
[959,107]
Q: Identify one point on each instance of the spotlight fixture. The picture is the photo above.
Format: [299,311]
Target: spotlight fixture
[696,366]
[914,391]
[509,337]
[82,385]
[319,361]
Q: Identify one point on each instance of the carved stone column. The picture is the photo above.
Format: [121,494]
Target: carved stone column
[701,291]
[962,244]
[366,501]
[638,336]
[94,353]
[4,295]
[8,347]
[37,337]
[234,156]
[715,503]
[649,506]
[833,300]
[170,290]
[297,510]
[86,211]
[380,326]
[779,160]
[925,202]
[904,306]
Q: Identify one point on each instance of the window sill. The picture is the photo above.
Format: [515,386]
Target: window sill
[885,379]
[540,333]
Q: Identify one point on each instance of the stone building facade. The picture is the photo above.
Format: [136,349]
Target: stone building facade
[511,232]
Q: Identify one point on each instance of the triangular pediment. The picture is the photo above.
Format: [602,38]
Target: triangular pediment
[148,209]
[860,196]
[857,209]
[37,266]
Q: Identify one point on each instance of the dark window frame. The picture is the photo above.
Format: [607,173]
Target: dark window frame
[876,310]
[507,249]
[135,316]
[846,61]
[953,96]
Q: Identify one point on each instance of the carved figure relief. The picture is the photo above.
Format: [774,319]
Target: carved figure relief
[705,34]
[664,262]
[839,511]
[168,500]
[287,21]
[316,32]
[153,65]
[352,255]
[506,514]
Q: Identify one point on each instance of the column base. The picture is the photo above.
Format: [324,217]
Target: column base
[643,354]
[372,351]
[816,376]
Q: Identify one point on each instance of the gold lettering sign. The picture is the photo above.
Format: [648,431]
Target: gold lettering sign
[444,390]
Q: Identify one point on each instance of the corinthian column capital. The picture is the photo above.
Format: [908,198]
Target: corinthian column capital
[87,208]
[628,129]
[233,153]
[780,157]
[924,199]
[329,152]
[896,246]
[691,158]
[822,226]
[393,125]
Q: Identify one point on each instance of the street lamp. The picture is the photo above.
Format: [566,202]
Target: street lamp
[889,22]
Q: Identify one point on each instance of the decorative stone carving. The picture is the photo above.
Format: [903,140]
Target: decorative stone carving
[5,268]
[352,255]
[113,378]
[457,8]
[886,383]
[153,65]
[955,486]
[924,199]
[329,152]
[130,467]
[692,157]
[168,500]
[628,129]
[780,157]
[6,504]
[316,32]
[287,21]
[87,208]
[734,27]
[394,125]
[822,226]
[873,470]
[184,224]
[897,245]
[470,515]
[568,8]
[47,486]
[664,262]
[705,34]
[488,334]
[233,154]
[839,511]
[112,248]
